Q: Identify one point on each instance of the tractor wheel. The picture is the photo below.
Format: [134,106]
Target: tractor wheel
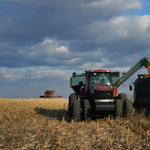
[76,111]
[87,110]
[119,108]
[72,97]
[123,97]
[127,109]
[69,106]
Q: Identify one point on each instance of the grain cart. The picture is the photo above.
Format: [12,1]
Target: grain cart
[141,92]
[96,93]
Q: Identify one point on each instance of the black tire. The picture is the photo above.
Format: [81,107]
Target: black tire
[127,109]
[87,110]
[72,97]
[119,108]
[76,111]
[69,106]
[123,97]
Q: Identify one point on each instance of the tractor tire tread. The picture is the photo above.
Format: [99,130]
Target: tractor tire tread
[87,110]
[72,97]
[119,108]
[76,112]
[128,107]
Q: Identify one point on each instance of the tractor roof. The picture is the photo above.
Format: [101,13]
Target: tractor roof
[99,70]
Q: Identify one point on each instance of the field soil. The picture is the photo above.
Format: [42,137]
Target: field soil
[45,124]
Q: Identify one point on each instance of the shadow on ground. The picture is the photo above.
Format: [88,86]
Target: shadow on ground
[58,114]
[61,114]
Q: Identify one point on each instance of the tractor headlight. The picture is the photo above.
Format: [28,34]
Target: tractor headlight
[104,100]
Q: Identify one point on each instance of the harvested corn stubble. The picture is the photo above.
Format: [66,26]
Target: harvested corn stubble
[44,124]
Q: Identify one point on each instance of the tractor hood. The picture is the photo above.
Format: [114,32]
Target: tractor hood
[103,87]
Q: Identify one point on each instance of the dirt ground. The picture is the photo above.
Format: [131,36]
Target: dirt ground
[44,124]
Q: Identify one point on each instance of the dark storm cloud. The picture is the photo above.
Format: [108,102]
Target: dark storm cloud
[32,21]
[89,31]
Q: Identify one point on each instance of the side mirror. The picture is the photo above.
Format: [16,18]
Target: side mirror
[130,87]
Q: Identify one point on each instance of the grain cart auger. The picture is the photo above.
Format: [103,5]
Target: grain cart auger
[96,93]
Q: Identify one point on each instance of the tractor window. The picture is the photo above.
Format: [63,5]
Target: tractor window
[99,78]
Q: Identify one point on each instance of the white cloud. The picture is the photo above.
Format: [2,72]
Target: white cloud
[46,42]
[137,25]
[92,66]
[62,49]
[143,23]
[120,27]
[134,4]
[44,49]
[10,74]
[73,60]
[32,73]
[51,47]
[125,4]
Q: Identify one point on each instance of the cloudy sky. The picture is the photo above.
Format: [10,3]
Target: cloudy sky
[43,42]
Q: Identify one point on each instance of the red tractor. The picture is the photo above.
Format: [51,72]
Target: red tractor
[50,94]
[96,93]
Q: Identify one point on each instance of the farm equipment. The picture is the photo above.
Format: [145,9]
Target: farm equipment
[96,93]
[141,92]
[50,94]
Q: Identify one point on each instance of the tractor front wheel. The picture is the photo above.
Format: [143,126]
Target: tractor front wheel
[76,111]
[72,97]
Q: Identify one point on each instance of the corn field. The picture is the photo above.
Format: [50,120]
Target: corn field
[44,124]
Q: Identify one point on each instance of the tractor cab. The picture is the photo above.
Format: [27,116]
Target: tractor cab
[99,84]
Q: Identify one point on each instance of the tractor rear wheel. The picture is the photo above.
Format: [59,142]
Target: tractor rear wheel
[127,109]
[87,110]
[76,111]
[119,108]
[72,97]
